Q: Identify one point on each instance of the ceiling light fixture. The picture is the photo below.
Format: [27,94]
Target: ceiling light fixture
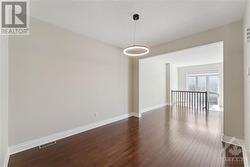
[135,50]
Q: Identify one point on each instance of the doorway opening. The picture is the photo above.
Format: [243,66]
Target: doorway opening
[192,74]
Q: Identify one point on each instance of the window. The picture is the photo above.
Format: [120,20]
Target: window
[201,83]
[191,83]
[205,82]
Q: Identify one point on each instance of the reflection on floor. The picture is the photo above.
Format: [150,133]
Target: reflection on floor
[215,108]
[166,137]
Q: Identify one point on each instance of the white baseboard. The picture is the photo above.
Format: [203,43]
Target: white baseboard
[246,160]
[6,159]
[233,140]
[134,114]
[57,136]
[153,107]
[237,142]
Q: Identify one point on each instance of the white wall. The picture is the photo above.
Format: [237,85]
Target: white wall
[152,83]
[201,69]
[156,80]
[247,81]
[60,80]
[168,82]
[3,99]
[173,77]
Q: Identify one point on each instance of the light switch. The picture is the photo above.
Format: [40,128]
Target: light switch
[248,35]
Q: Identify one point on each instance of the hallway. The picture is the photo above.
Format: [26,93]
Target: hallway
[173,137]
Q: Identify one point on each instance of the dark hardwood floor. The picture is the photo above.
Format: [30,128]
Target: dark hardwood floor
[168,137]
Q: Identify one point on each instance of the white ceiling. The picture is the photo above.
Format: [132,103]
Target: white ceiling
[206,54]
[161,21]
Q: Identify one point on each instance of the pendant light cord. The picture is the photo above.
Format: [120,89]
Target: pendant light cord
[134,32]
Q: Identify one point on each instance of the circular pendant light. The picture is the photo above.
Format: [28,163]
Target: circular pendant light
[136,50]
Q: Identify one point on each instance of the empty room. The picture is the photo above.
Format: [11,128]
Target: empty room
[125,83]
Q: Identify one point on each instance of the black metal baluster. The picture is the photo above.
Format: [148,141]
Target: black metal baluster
[192,99]
[197,100]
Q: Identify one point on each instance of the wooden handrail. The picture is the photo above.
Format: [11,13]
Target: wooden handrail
[189,91]
[194,99]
